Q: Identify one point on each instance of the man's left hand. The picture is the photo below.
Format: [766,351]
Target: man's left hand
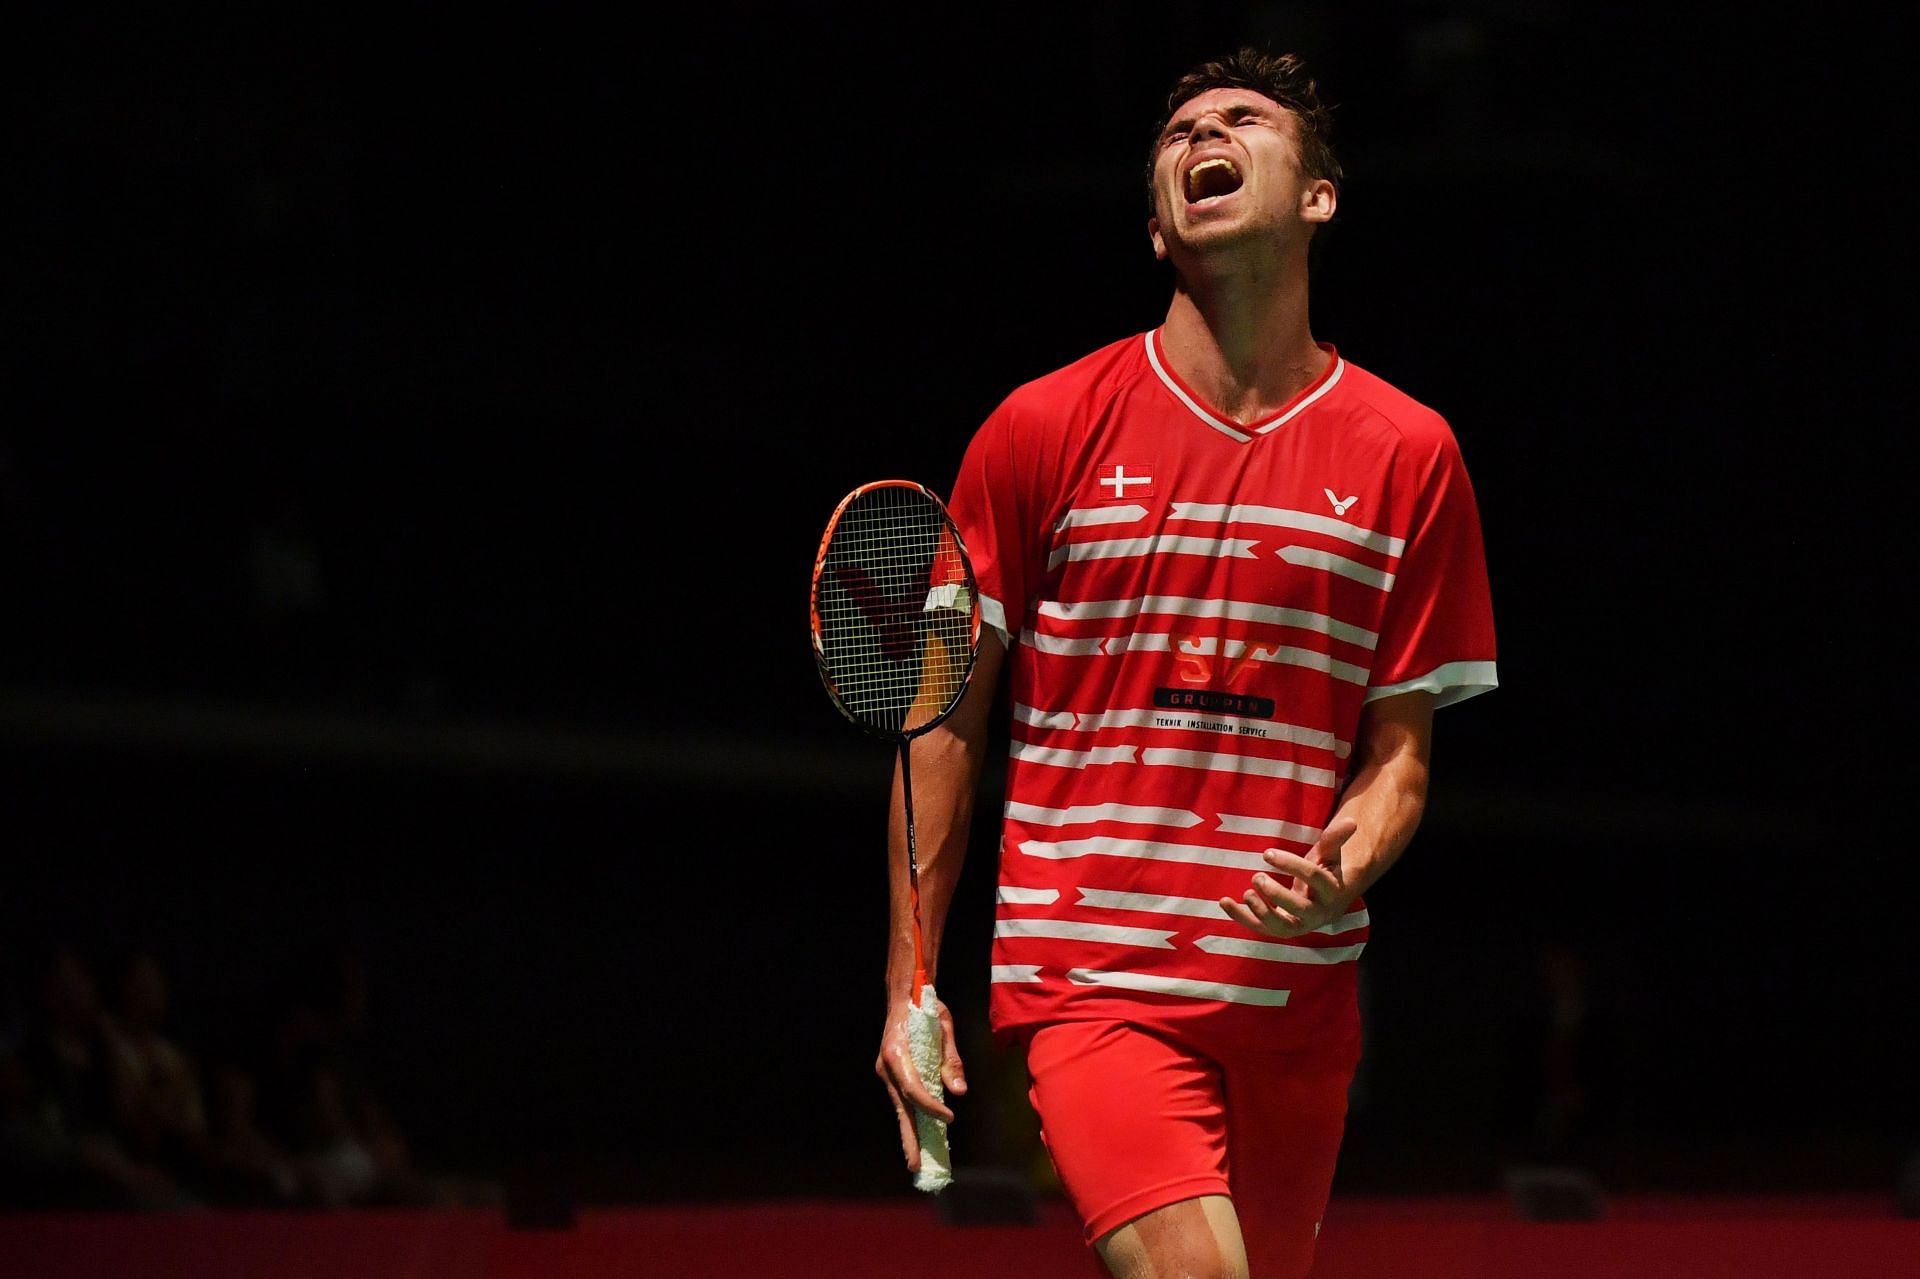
[1314,896]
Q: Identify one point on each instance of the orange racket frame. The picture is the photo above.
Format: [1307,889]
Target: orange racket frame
[903,736]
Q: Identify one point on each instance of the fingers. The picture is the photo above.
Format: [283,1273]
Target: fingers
[1241,914]
[1327,879]
[905,1089]
[1288,909]
[906,1077]
[1261,915]
[952,1073]
[909,1135]
[1333,838]
[898,1069]
[1271,892]
[1275,906]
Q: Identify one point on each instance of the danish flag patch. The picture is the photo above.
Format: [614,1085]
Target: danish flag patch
[1119,481]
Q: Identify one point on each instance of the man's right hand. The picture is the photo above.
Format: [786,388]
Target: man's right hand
[902,1079]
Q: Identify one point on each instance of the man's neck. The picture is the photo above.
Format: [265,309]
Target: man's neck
[1242,340]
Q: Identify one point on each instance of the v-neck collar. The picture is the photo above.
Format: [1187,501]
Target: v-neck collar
[1244,432]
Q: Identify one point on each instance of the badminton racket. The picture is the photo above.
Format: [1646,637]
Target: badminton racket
[896,628]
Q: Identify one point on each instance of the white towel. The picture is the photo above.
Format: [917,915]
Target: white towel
[923,1037]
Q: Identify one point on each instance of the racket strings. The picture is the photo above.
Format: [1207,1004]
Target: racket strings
[896,610]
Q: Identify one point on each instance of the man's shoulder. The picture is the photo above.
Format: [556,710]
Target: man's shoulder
[1092,377]
[1420,427]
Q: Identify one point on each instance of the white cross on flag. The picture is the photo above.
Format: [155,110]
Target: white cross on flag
[1121,481]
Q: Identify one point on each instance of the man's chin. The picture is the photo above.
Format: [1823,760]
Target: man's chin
[1220,235]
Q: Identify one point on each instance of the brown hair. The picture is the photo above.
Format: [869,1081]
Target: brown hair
[1281,77]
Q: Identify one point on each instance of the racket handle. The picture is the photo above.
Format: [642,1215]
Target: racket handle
[923,1037]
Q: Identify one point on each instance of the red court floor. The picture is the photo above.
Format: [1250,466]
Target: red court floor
[1805,1238]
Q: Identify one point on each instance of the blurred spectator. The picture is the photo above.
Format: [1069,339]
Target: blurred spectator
[242,1165]
[63,1145]
[37,1167]
[102,1110]
[156,1091]
[318,1099]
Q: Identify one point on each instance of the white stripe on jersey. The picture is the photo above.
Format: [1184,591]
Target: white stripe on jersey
[1081,814]
[1065,720]
[1198,907]
[1180,986]
[1082,516]
[1227,762]
[1239,548]
[1331,563]
[1075,930]
[1234,825]
[1233,610]
[1030,754]
[994,615]
[1013,895]
[1203,646]
[1450,682]
[1283,517]
[1151,903]
[1346,923]
[1145,850]
[1188,721]
[1015,972]
[1278,952]
[1093,646]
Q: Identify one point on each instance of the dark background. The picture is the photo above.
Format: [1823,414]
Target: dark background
[419,428]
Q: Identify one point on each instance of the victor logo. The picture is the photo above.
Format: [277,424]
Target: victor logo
[893,618]
[1340,504]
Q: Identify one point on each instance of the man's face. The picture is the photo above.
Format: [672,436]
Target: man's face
[1227,172]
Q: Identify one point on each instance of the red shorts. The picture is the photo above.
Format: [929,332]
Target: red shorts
[1137,1119]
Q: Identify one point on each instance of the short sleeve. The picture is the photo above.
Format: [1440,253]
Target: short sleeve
[992,507]
[1437,634]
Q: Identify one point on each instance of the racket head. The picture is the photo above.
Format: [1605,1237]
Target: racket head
[894,609]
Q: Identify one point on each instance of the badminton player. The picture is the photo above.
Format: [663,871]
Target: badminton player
[1229,576]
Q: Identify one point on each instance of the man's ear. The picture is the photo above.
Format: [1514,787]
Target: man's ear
[1318,201]
[1159,242]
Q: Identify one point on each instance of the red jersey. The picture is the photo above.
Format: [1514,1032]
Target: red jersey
[1196,612]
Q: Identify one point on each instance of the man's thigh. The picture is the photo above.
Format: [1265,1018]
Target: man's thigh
[1134,1122]
[1163,1148]
[1286,1115]
[1191,1239]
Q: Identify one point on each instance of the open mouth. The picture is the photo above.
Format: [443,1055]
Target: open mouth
[1211,179]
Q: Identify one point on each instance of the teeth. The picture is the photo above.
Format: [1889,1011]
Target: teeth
[1193,174]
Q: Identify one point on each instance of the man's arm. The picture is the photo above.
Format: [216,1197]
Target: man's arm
[946,767]
[1374,823]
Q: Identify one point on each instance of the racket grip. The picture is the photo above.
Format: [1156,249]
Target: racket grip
[923,1037]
